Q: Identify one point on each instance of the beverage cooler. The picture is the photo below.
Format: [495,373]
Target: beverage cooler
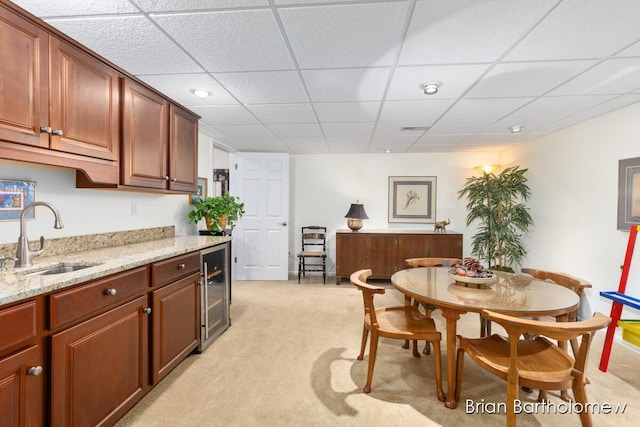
[215,292]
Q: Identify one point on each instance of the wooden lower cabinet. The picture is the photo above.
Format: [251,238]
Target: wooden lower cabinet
[175,324]
[99,368]
[384,251]
[22,388]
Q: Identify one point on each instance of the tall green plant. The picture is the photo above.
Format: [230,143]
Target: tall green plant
[498,203]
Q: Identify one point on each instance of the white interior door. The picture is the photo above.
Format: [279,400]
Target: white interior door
[261,238]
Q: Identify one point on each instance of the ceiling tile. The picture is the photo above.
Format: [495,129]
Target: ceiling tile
[351,35]
[180,88]
[246,40]
[131,42]
[245,131]
[581,29]
[296,130]
[484,109]
[440,140]
[267,87]
[526,79]
[416,113]
[224,114]
[340,130]
[338,145]
[52,8]
[611,105]
[356,84]
[386,129]
[467,31]
[446,127]
[283,113]
[614,76]
[347,111]
[557,106]
[306,145]
[184,5]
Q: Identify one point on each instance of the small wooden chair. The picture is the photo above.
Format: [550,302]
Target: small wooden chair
[534,363]
[402,322]
[313,256]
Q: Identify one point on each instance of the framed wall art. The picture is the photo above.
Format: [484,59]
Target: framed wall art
[412,199]
[14,197]
[628,193]
[202,190]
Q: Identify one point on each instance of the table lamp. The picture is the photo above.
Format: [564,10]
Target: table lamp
[355,216]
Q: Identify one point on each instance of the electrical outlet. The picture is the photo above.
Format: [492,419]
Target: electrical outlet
[134,208]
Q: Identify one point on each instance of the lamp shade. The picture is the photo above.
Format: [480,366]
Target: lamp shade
[356,211]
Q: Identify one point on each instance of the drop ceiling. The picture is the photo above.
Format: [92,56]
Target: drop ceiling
[330,76]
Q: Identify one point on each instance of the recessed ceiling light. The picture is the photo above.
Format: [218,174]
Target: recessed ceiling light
[431,88]
[515,128]
[201,93]
[387,150]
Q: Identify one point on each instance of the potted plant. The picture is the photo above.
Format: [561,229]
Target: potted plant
[218,212]
[498,203]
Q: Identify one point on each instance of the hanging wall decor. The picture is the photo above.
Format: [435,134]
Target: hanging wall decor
[412,199]
[14,196]
[628,193]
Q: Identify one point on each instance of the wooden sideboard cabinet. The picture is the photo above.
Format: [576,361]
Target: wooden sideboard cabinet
[384,251]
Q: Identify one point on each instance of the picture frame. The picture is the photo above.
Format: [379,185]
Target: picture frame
[203,190]
[412,199]
[14,197]
[628,193]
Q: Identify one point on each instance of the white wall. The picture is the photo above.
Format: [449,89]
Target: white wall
[96,211]
[573,175]
[324,186]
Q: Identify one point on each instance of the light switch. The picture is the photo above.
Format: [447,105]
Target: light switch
[134,208]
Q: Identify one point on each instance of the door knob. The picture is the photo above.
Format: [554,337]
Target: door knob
[147,310]
[284,224]
[111,291]
[35,371]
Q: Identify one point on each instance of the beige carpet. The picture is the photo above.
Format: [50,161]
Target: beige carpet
[289,359]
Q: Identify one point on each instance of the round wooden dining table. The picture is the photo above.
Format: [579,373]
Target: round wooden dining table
[512,294]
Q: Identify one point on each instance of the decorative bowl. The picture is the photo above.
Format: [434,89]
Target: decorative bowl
[471,281]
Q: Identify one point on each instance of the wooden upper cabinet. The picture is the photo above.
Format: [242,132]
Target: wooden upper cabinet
[159,142]
[183,150]
[85,103]
[145,138]
[24,102]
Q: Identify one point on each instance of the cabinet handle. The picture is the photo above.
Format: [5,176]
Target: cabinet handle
[147,310]
[111,291]
[181,266]
[35,371]
[58,132]
[166,178]
[174,179]
[46,129]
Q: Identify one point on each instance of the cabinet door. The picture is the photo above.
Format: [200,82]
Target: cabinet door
[99,368]
[85,102]
[24,102]
[21,389]
[352,253]
[383,256]
[175,324]
[145,137]
[183,150]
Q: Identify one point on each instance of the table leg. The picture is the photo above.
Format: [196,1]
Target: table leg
[451,317]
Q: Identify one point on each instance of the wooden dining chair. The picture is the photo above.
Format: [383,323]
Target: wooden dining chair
[427,262]
[534,363]
[401,322]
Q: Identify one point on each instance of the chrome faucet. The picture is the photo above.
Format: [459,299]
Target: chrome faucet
[24,254]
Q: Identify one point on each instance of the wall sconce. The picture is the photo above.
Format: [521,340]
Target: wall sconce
[355,216]
[486,169]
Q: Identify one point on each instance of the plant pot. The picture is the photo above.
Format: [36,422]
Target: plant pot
[222,222]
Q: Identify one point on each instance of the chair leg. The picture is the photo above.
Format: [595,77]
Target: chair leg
[427,349]
[437,363]
[363,345]
[299,269]
[416,353]
[459,370]
[580,396]
[512,395]
[373,349]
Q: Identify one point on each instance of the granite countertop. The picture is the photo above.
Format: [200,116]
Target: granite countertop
[16,284]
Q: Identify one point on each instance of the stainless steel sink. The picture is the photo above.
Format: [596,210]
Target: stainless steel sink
[60,269]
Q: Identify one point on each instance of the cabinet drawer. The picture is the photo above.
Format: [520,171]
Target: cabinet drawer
[17,325]
[167,271]
[74,304]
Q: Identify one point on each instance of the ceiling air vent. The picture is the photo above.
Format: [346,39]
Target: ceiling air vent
[414,128]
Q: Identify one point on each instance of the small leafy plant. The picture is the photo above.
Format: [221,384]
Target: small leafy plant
[213,209]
